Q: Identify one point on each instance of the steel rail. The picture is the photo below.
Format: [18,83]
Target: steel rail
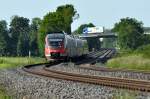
[92,58]
[107,69]
[105,81]
[132,84]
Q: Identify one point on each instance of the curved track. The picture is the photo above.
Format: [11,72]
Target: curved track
[89,67]
[44,70]
[132,84]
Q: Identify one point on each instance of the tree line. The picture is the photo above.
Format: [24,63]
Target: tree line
[130,34]
[23,36]
[20,37]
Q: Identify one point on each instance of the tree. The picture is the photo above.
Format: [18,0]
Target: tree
[34,28]
[19,29]
[81,27]
[56,22]
[3,38]
[22,45]
[68,13]
[52,22]
[130,33]
[2,45]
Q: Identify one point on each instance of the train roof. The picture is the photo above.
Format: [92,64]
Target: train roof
[55,35]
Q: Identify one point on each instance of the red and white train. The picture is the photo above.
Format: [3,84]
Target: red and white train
[59,46]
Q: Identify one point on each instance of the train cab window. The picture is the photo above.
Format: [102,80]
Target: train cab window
[56,42]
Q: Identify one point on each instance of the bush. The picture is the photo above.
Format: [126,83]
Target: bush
[144,50]
[128,59]
[122,52]
[136,62]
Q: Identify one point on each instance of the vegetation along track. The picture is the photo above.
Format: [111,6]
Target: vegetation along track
[44,70]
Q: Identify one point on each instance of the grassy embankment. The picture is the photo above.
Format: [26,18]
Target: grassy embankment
[136,60]
[13,62]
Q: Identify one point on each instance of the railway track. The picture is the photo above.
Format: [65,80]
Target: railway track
[44,70]
[103,55]
[106,69]
[98,56]
[131,84]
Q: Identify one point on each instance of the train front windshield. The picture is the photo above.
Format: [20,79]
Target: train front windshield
[56,43]
[56,40]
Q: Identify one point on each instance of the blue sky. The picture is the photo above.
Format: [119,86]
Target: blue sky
[100,12]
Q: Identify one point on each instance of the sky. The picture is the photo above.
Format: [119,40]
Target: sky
[100,12]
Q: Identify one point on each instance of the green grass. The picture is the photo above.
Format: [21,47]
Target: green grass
[3,94]
[124,94]
[132,61]
[11,62]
